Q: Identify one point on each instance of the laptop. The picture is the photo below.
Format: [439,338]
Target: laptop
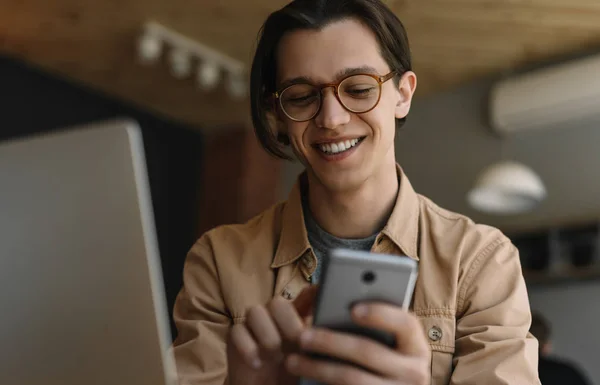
[81,292]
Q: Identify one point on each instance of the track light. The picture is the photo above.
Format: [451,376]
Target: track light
[208,75]
[236,86]
[181,63]
[184,52]
[149,48]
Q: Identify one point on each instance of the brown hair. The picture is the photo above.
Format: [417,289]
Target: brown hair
[317,14]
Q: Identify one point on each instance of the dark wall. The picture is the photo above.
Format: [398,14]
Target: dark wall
[32,102]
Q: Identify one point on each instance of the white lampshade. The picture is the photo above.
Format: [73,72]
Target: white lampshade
[507,188]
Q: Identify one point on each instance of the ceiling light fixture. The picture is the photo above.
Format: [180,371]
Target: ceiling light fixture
[180,63]
[149,48]
[507,188]
[209,75]
[236,86]
[185,53]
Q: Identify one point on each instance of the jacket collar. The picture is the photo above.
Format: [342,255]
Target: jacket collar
[402,227]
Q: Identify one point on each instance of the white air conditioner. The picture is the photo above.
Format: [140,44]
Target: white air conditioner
[560,95]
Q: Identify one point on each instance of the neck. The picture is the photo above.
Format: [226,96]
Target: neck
[358,213]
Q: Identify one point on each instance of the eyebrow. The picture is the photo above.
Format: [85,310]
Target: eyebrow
[356,70]
[339,75]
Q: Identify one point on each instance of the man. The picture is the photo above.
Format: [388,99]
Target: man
[551,370]
[332,81]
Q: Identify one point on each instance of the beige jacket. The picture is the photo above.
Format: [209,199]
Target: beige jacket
[470,295]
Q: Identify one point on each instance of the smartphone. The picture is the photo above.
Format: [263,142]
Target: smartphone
[350,276]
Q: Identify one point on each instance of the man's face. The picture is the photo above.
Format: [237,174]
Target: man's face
[325,56]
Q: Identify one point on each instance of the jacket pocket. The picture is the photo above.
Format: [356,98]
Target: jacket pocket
[439,326]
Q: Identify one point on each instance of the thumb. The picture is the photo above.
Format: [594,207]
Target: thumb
[305,301]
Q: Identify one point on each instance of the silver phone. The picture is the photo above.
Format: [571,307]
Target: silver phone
[351,276]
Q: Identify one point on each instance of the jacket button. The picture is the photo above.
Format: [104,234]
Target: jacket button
[286,294]
[435,333]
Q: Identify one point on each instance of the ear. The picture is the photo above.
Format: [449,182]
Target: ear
[279,128]
[406,89]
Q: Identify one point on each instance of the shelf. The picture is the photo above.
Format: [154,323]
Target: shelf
[561,248]
[567,275]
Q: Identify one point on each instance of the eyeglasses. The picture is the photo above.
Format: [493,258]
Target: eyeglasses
[358,93]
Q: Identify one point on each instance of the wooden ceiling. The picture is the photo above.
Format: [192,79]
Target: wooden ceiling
[453,42]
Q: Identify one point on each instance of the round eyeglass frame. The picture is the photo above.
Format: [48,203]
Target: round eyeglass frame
[380,80]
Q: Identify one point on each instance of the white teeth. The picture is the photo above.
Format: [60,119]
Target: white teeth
[335,148]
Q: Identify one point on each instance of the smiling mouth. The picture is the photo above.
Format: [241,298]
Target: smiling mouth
[339,147]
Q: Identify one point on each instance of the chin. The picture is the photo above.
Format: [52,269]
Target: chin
[341,181]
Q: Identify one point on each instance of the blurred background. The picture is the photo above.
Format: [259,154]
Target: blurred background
[504,127]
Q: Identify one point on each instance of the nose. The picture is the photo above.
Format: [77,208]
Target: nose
[332,114]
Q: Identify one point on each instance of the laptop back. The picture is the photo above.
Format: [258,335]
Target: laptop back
[81,290]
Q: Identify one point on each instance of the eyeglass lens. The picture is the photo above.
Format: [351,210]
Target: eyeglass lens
[357,93]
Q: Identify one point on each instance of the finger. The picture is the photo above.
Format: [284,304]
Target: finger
[331,373]
[264,330]
[305,300]
[245,346]
[359,350]
[287,319]
[409,333]
[308,321]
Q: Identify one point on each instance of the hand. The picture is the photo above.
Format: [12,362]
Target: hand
[257,349]
[407,364]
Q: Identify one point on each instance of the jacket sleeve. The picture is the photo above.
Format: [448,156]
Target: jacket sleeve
[202,321]
[493,343]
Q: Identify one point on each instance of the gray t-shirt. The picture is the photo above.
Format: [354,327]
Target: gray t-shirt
[321,241]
